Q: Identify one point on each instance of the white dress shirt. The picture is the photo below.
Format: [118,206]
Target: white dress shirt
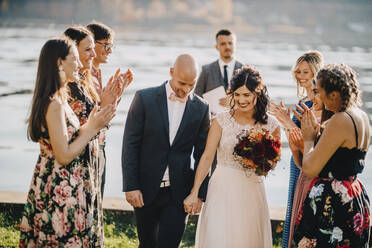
[175,113]
[230,68]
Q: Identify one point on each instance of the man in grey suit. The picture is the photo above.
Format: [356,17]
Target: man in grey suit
[219,72]
[165,124]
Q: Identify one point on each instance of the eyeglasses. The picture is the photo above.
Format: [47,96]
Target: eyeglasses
[106,46]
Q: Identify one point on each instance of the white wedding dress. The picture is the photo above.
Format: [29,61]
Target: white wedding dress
[235,214]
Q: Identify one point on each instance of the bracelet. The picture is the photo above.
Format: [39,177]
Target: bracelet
[287,129]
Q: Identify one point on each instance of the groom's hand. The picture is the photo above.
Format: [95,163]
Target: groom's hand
[192,204]
[197,207]
[135,198]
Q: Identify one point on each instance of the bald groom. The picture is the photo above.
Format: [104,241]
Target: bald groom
[164,125]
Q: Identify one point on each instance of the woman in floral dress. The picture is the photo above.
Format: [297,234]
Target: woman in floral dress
[304,72]
[84,94]
[336,211]
[60,211]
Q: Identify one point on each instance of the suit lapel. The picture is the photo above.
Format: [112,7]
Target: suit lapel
[217,72]
[238,65]
[163,107]
[187,116]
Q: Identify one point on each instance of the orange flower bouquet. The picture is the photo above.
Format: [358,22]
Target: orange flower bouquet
[258,150]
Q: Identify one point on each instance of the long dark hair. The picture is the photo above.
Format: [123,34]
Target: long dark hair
[48,83]
[251,78]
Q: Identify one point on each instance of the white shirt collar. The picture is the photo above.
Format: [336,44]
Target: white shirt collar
[169,90]
[231,64]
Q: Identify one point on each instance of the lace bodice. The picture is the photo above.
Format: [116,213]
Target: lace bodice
[230,130]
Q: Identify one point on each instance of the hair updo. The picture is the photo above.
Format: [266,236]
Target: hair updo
[250,77]
[340,78]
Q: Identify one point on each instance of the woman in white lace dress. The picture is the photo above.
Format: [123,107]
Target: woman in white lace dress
[235,213]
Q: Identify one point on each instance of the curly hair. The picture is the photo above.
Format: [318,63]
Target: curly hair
[340,78]
[315,60]
[250,77]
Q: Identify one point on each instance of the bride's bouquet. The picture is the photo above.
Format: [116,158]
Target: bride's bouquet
[257,149]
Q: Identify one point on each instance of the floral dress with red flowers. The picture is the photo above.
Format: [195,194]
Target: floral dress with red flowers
[82,105]
[63,204]
[336,211]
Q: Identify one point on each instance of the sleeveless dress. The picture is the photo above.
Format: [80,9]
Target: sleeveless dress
[297,183]
[97,80]
[61,208]
[82,105]
[235,213]
[336,211]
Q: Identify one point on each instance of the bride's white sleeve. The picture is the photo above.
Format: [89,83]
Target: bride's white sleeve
[222,119]
[272,123]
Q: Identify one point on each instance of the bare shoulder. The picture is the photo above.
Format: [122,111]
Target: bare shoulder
[338,120]
[216,124]
[364,116]
[55,109]
[55,105]
[215,129]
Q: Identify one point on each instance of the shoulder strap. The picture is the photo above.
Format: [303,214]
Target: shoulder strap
[355,129]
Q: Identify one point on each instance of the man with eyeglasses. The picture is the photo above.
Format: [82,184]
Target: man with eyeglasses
[103,38]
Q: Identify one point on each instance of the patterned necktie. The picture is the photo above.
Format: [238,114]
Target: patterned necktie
[173,97]
[225,79]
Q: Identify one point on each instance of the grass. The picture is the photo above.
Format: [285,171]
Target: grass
[119,226]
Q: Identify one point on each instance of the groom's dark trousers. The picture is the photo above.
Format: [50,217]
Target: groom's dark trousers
[146,154]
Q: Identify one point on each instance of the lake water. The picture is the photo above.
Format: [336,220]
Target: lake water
[150,56]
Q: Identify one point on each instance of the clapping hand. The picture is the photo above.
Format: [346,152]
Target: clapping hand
[300,109]
[110,92]
[124,80]
[115,87]
[100,116]
[296,143]
[282,114]
[309,126]
[192,204]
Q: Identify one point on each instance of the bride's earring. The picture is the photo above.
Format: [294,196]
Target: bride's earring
[233,103]
[62,73]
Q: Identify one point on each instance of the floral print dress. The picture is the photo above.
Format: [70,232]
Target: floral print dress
[336,211]
[292,202]
[82,105]
[63,204]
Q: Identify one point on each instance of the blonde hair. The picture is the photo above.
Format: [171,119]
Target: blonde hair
[87,83]
[315,60]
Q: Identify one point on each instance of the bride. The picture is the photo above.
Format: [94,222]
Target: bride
[235,213]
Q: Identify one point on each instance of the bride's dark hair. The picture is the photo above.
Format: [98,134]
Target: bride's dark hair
[250,77]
